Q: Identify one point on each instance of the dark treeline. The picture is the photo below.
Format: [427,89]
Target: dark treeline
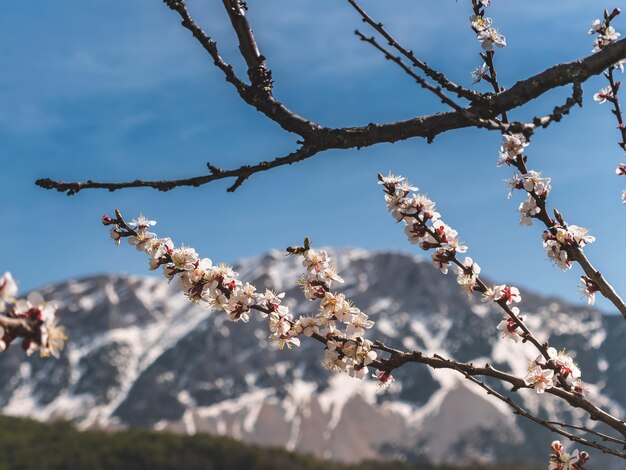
[26,445]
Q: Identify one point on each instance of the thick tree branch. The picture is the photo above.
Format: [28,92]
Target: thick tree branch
[259,97]
[550,425]
[320,138]
[258,73]
[399,358]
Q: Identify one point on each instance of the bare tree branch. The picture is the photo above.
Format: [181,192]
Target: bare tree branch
[550,425]
[438,77]
[317,138]
[559,111]
[240,174]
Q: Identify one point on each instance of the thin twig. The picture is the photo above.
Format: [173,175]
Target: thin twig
[438,77]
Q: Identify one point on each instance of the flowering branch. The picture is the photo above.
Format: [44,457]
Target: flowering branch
[564,245]
[553,372]
[32,319]
[607,35]
[316,138]
[339,325]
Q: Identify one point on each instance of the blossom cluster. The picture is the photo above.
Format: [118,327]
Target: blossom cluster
[605,34]
[487,35]
[337,320]
[561,460]
[562,239]
[40,330]
[219,287]
[202,281]
[423,226]
[559,370]
[559,240]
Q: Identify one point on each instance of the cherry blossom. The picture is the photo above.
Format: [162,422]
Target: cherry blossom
[490,37]
[338,323]
[532,181]
[480,23]
[528,210]
[561,460]
[385,380]
[604,95]
[8,289]
[589,289]
[539,379]
[509,327]
[33,319]
[478,73]
[467,275]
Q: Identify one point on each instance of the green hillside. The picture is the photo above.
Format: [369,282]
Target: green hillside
[26,444]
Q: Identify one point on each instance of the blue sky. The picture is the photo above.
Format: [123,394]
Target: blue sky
[117,90]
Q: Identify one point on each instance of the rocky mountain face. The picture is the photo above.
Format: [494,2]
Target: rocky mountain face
[140,354]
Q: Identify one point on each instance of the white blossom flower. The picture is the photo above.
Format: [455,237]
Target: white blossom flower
[509,294]
[538,378]
[513,183]
[441,260]
[580,235]
[557,254]
[603,95]
[569,370]
[596,26]
[184,258]
[307,326]
[467,275]
[490,37]
[589,289]
[333,361]
[513,144]
[390,179]
[385,379]
[534,182]
[478,73]
[480,23]
[610,34]
[141,223]
[528,209]
[508,329]
[561,460]
[8,287]
[329,275]
[359,323]
[116,235]
[53,339]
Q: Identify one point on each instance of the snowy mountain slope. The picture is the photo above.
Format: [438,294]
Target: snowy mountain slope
[139,354]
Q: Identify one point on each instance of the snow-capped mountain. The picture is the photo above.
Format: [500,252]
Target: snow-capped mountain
[140,354]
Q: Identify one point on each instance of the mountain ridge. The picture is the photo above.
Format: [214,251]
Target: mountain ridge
[141,355]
